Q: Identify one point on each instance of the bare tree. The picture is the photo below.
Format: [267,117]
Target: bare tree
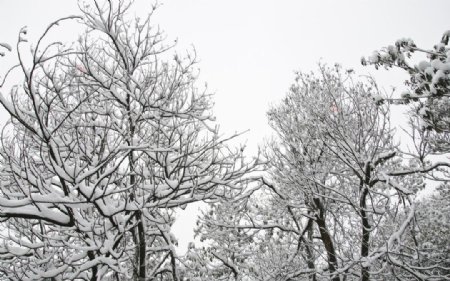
[337,203]
[340,144]
[107,138]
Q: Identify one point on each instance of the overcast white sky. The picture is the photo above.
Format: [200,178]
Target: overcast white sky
[249,49]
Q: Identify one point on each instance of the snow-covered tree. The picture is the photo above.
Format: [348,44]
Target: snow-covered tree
[108,136]
[335,155]
[338,201]
[429,82]
[423,253]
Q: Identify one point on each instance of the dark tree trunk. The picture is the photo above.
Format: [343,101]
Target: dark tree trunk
[326,239]
[365,225]
[309,252]
[142,248]
[94,269]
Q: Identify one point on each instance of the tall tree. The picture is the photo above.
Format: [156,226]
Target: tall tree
[107,138]
[336,203]
[340,146]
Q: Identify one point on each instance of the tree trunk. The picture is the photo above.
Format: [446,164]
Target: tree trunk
[309,252]
[365,275]
[326,239]
[142,249]
[94,269]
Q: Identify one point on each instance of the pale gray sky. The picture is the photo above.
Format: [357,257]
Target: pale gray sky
[249,49]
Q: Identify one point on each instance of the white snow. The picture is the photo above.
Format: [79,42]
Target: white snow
[6,46]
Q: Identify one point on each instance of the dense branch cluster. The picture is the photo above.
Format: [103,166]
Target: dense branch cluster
[106,139]
[338,202]
[109,137]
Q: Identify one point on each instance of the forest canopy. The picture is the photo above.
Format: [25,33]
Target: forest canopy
[110,135]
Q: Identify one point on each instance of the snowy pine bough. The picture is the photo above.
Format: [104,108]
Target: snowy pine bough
[429,81]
